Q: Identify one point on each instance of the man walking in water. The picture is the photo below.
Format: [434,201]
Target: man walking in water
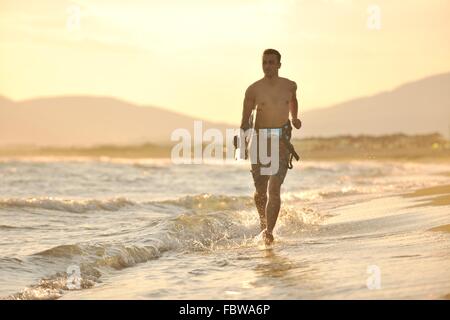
[273,97]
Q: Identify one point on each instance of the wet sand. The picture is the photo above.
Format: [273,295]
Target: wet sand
[435,196]
[443,228]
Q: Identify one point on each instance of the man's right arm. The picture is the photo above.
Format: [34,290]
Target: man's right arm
[249,105]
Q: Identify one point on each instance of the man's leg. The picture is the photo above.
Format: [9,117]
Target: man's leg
[274,203]
[260,195]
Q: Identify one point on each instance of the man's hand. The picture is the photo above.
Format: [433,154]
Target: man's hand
[296,123]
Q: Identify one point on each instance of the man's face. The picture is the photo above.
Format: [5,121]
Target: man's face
[270,64]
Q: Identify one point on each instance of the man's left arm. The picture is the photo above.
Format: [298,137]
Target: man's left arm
[294,107]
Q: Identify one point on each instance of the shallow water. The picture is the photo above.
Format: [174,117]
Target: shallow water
[149,229]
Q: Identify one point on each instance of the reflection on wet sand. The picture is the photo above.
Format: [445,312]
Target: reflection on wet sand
[274,265]
[276,269]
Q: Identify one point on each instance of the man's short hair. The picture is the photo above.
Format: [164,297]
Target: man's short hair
[273,51]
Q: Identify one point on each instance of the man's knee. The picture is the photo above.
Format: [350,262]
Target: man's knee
[261,191]
[275,188]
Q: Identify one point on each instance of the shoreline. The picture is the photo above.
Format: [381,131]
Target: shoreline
[424,148]
[433,196]
[426,160]
[88,153]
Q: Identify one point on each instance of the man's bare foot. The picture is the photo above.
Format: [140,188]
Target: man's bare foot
[268,237]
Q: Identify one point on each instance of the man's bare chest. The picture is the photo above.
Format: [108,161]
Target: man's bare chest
[273,97]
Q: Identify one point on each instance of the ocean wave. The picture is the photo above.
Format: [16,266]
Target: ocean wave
[7,227]
[202,202]
[10,260]
[234,228]
[186,231]
[61,251]
[89,260]
[116,256]
[205,223]
[315,194]
[211,202]
[146,166]
[50,288]
[342,192]
[68,205]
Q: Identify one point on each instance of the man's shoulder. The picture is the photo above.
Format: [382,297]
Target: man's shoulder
[289,82]
[254,87]
[255,84]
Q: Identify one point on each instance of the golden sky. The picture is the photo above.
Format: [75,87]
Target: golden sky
[197,57]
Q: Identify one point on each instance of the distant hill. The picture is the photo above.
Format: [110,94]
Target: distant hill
[417,107]
[87,121]
[5,101]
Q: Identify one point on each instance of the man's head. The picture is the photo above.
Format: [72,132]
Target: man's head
[271,62]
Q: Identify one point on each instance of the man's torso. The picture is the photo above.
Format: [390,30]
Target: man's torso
[272,102]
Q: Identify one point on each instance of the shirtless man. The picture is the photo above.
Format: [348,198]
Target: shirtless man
[273,97]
